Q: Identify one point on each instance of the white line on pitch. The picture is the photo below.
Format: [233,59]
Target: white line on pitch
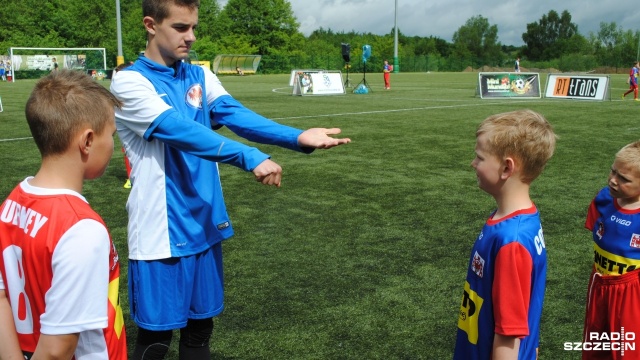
[398,110]
[16,139]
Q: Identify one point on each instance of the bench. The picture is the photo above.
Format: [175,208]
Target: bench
[229,64]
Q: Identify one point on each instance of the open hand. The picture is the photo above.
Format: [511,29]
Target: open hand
[318,138]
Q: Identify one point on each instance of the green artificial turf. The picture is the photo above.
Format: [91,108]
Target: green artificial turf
[362,253]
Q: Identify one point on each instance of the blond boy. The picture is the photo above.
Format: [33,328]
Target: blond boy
[613,298]
[504,290]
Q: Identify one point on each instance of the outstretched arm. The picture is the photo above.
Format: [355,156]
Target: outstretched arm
[9,345]
[270,173]
[318,138]
[228,112]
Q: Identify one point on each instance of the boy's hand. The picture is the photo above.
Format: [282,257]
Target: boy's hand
[268,173]
[318,138]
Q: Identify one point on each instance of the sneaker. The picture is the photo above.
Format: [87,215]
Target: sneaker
[622,96]
[127,185]
[636,99]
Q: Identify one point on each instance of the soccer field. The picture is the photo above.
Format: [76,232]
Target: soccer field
[362,253]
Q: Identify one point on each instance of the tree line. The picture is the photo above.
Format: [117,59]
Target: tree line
[269,28]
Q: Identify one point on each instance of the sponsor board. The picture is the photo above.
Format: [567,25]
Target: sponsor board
[318,83]
[582,87]
[509,85]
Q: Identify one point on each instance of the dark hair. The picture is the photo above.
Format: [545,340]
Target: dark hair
[159,9]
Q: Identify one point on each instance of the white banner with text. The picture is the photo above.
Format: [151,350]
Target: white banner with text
[310,82]
[583,87]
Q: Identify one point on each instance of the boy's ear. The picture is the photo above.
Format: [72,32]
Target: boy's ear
[149,25]
[85,140]
[508,168]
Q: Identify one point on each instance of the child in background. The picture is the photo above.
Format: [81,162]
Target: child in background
[387,74]
[613,298]
[59,269]
[504,291]
[633,81]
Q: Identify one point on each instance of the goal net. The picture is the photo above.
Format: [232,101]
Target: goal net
[28,62]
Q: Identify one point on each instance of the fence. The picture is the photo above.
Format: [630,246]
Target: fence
[431,63]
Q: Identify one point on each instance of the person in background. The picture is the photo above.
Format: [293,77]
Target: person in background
[386,70]
[517,67]
[633,81]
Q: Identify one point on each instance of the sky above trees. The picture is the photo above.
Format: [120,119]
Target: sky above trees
[441,18]
[272,28]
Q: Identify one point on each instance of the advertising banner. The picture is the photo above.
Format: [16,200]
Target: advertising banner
[583,87]
[318,83]
[294,74]
[509,85]
[47,62]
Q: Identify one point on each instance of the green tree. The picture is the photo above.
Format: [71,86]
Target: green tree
[134,36]
[209,22]
[577,44]
[208,30]
[614,46]
[478,39]
[425,46]
[547,38]
[30,23]
[269,24]
[59,23]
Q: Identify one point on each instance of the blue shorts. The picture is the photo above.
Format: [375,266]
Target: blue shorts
[165,293]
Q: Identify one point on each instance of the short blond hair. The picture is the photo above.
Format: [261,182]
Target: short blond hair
[630,155]
[61,103]
[524,135]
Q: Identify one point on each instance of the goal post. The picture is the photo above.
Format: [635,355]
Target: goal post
[43,58]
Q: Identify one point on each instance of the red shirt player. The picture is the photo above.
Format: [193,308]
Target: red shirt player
[633,81]
[59,269]
[387,74]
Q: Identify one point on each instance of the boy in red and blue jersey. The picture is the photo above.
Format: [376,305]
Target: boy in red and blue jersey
[504,289]
[633,81]
[613,298]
